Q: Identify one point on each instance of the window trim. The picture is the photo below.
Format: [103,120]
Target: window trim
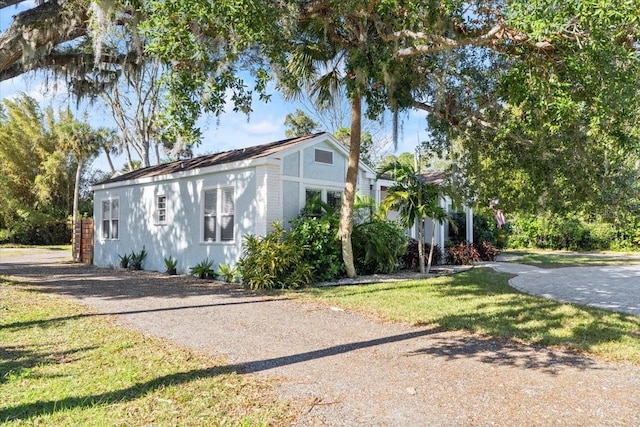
[218,215]
[315,156]
[110,219]
[158,209]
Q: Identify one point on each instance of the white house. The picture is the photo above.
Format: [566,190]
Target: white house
[202,207]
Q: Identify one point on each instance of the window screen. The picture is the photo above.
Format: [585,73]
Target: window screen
[324,156]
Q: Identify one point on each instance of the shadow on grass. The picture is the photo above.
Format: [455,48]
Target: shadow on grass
[49,407]
[17,360]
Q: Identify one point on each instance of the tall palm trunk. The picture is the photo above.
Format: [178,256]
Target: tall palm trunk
[76,191]
[348,201]
[421,244]
[433,235]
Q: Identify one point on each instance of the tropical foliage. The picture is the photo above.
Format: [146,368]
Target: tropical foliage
[415,200]
[43,159]
[273,261]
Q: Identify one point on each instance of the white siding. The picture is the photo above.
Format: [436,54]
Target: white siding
[182,235]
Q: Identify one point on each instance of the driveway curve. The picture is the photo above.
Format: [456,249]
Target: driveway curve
[615,288]
[345,369]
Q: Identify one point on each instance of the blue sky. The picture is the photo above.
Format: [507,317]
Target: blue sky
[229,131]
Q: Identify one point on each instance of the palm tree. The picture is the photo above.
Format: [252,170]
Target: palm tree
[337,50]
[415,200]
[83,143]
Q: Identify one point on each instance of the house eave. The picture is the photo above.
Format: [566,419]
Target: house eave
[244,164]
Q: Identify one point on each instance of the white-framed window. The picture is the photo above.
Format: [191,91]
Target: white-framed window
[218,219]
[161,209]
[334,198]
[323,156]
[311,194]
[110,218]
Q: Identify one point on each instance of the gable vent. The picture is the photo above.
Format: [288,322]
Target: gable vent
[324,156]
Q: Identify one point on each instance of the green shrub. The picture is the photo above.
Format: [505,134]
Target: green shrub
[601,235]
[274,261]
[39,231]
[5,236]
[378,246]
[318,235]
[203,270]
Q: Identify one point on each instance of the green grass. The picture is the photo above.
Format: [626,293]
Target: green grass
[558,260]
[482,302]
[62,365]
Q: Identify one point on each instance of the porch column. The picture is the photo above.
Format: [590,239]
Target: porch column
[469,220]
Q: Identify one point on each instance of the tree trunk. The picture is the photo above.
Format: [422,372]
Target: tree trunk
[348,201]
[421,244]
[433,235]
[76,191]
[107,153]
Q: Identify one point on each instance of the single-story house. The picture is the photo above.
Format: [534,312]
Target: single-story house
[202,207]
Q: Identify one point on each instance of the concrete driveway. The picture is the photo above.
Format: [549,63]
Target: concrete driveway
[614,288]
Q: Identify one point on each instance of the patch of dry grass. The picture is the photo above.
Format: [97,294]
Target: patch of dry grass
[61,364]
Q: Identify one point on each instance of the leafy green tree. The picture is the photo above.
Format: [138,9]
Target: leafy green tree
[34,177]
[415,200]
[299,124]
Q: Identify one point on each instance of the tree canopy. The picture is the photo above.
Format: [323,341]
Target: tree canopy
[535,103]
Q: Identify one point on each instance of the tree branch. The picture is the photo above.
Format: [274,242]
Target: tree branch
[44,26]
[431,43]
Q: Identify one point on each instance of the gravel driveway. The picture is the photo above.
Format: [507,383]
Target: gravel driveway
[344,369]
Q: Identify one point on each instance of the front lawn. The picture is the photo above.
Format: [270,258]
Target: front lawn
[63,365]
[481,301]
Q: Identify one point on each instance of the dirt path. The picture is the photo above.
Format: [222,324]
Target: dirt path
[344,369]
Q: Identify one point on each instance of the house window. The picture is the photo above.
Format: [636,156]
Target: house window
[110,219]
[219,215]
[324,156]
[312,195]
[334,199]
[210,219]
[161,209]
[227,210]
